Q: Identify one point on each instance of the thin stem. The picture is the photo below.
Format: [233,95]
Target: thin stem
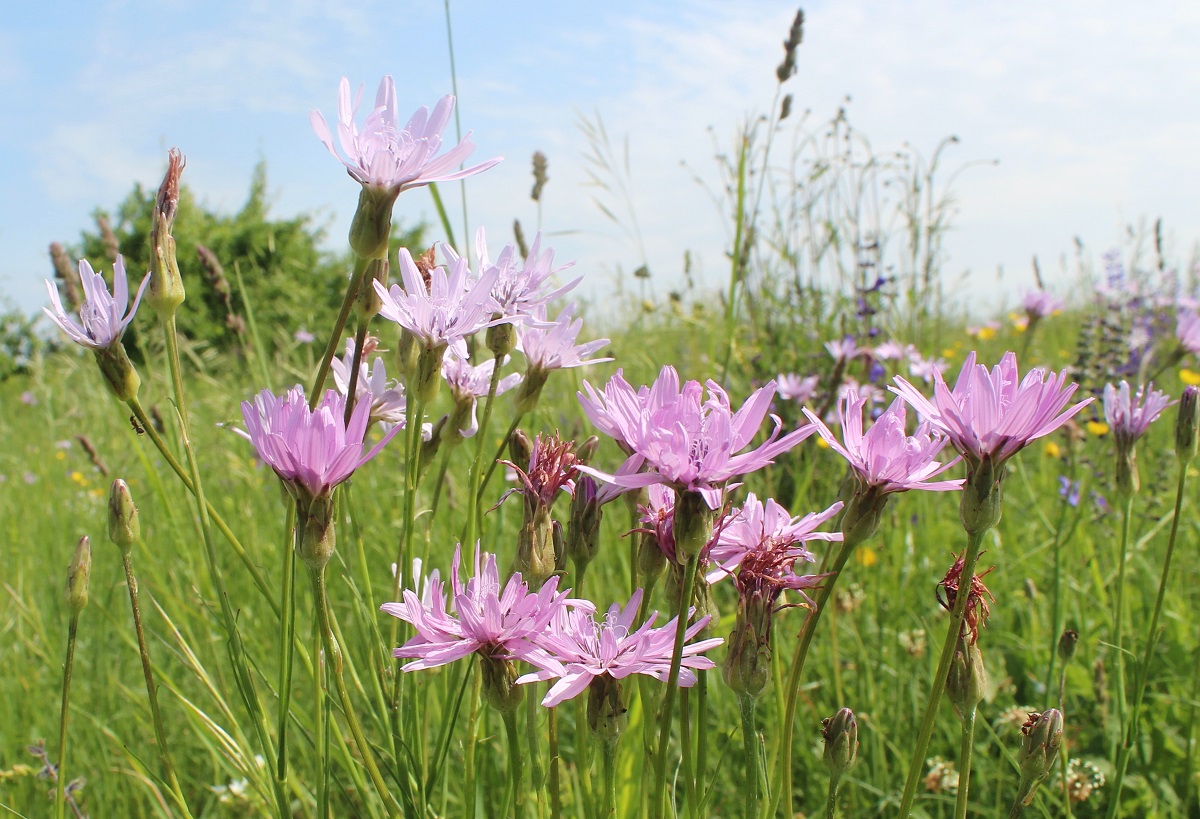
[471,528]
[831,796]
[610,779]
[686,751]
[555,777]
[1190,736]
[531,740]
[701,731]
[487,476]
[320,730]
[472,736]
[752,792]
[333,653]
[1142,675]
[957,615]
[160,735]
[1064,751]
[966,752]
[515,764]
[1119,621]
[664,715]
[287,640]
[339,326]
[360,339]
[60,788]
[583,738]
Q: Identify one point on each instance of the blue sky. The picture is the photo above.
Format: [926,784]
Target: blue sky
[1090,111]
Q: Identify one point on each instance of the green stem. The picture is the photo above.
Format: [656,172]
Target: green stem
[1119,621]
[259,581]
[531,740]
[320,729]
[334,654]
[555,775]
[360,338]
[487,476]
[701,732]
[966,752]
[1142,675]
[471,528]
[610,779]
[1064,751]
[160,734]
[831,796]
[515,764]
[583,738]
[339,327]
[287,639]
[688,772]
[661,782]
[60,787]
[916,764]
[237,651]
[752,792]
[1191,732]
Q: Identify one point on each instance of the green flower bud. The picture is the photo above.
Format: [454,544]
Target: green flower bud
[118,371]
[650,560]
[606,711]
[841,741]
[500,339]
[583,531]
[967,681]
[520,448]
[1066,644]
[982,497]
[429,372]
[531,389]
[536,559]
[407,351]
[368,302]
[747,666]
[693,525]
[78,574]
[123,527]
[1186,422]
[317,540]
[372,223]
[500,687]
[1040,743]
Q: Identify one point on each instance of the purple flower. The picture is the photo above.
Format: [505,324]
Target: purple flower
[758,528]
[100,322]
[521,290]
[886,456]
[1068,490]
[692,444]
[552,468]
[451,307]
[386,398]
[310,450]
[843,349]
[551,345]
[658,515]
[989,414]
[891,351]
[928,370]
[1040,304]
[303,336]
[1187,330]
[1130,416]
[387,156]
[499,623]
[468,383]
[577,649]
[791,387]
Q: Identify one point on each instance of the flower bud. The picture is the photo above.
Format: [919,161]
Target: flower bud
[429,372]
[650,560]
[118,371]
[530,389]
[368,301]
[78,574]
[693,525]
[406,354]
[165,292]
[863,513]
[1066,644]
[1127,480]
[1041,739]
[841,741]
[583,530]
[606,711]
[372,224]
[500,687]
[747,664]
[535,558]
[123,527]
[587,450]
[520,448]
[317,540]
[500,339]
[967,681]
[982,497]
[1186,422]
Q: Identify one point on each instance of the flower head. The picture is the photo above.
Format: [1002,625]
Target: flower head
[450,307]
[551,345]
[1187,330]
[499,623]
[522,289]
[552,467]
[310,450]
[765,542]
[791,387]
[387,156]
[692,443]
[1130,416]
[886,456]
[977,609]
[1040,304]
[101,322]
[990,414]
[386,398]
[842,349]
[577,649]
[468,383]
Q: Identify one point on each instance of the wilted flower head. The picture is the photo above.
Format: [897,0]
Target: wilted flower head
[451,307]
[990,414]
[977,610]
[499,623]
[1040,304]
[691,443]
[1130,416]
[551,469]
[886,456]
[576,649]
[387,156]
[551,345]
[791,387]
[101,322]
[310,450]
[764,533]
[386,398]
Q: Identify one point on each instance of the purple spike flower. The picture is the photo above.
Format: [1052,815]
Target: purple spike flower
[691,443]
[760,527]
[100,322]
[885,456]
[311,451]
[499,623]
[387,156]
[990,414]
[576,650]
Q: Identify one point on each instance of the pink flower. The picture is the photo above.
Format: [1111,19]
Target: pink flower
[386,398]
[692,444]
[842,349]
[991,414]
[387,156]
[552,468]
[658,515]
[886,456]
[767,527]
[498,623]
[521,289]
[576,649]
[791,387]
[1130,417]
[1039,304]
[312,450]
[551,345]
[1187,329]
[926,369]
[100,322]
[468,383]
[452,306]
[891,351]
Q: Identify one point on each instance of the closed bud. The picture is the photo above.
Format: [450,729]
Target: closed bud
[429,372]
[372,223]
[748,656]
[368,301]
[606,711]
[587,450]
[1066,644]
[500,339]
[520,448]
[967,681]
[693,525]
[500,687]
[841,741]
[650,560]
[531,389]
[982,497]
[317,540]
[406,355]
[123,527]
[583,529]
[78,574]
[165,292]
[1040,743]
[1186,422]
[118,371]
